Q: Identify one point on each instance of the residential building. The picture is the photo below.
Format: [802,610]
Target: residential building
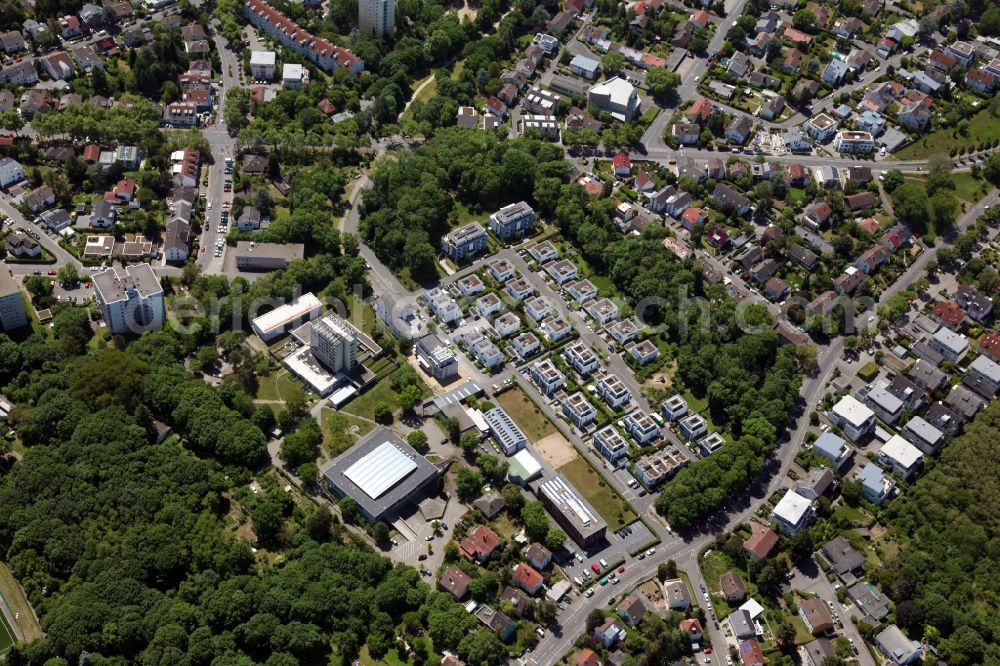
[674,407]
[894,644]
[455,582]
[615,96]
[742,625]
[900,456]
[12,312]
[579,410]
[602,311]
[953,346]
[843,558]
[656,468]
[586,67]
[738,131]
[610,444]
[513,220]
[546,376]
[821,127]
[923,435]
[562,271]
[692,427]
[975,303]
[848,141]
[501,270]
[854,418]
[815,484]
[262,65]
[750,651]
[631,609]
[580,357]
[986,370]
[761,542]
[642,427]
[676,592]
[612,390]
[731,585]
[318,50]
[816,616]
[11,172]
[527,578]
[876,487]
[377,17]
[609,633]
[792,512]
[886,406]
[464,241]
[130,302]
[526,344]
[480,545]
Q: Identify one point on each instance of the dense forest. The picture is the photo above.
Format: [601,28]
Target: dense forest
[945,581]
[126,547]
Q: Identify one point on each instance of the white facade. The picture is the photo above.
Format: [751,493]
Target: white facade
[262,65]
[377,16]
[11,172]
[131,302]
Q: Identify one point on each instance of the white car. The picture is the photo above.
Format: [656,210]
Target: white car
[650,552]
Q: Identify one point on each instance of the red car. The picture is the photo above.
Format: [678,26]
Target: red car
[202,248]
[596,568]
[52,271]
[708,650]
[621,569]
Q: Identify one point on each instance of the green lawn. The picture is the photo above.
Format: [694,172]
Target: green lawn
[392,657]
[337,442]
[364,405]
[796,196]
[982,127]
[277,387]
[596,491]
[527,414]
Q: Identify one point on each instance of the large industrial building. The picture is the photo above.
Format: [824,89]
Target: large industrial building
[381,472]
[579,520]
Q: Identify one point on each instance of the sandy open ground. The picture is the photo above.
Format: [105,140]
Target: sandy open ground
[556,449]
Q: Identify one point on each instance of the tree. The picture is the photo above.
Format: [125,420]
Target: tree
[302,446]
[612,62]
[785,635]
[383,414]
[804,20]
[67,273]
[595,618]
[408,398]
[535,520]
[661,82]
[469,441]
[555,539]
[893,179]
[800,545]
[989,21]
[37,285]
[72,329]
[206,357]
[468,483]
[991,169]
[492,468]
[418,440]
[514,498]
[666,570]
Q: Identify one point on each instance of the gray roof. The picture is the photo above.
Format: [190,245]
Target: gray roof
[842,556]
[404,487]
[112,286]
[987,368]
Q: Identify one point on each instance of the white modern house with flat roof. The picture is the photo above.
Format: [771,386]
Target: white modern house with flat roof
[876,487]
[986,370]
[792,512]
[580,357]
[513,220]
[610,444]
[693,426]
[674,408]
[642,427]
[900,456]
[613,391]
[546,376]
[579,410]
[953,346]
[262,65]
[617,97]
[853,417]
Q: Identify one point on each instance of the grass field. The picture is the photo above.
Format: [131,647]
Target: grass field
[364,405]
[982,127]
[533,422]
[277,387]
[596,491]
[19,605]
[392,657]
[338,442]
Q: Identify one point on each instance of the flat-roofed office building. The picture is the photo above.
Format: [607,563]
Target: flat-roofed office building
[573,513]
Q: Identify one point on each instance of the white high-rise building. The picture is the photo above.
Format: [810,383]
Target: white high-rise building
[334,343]
[12,313]
[130,303]
[377,16]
